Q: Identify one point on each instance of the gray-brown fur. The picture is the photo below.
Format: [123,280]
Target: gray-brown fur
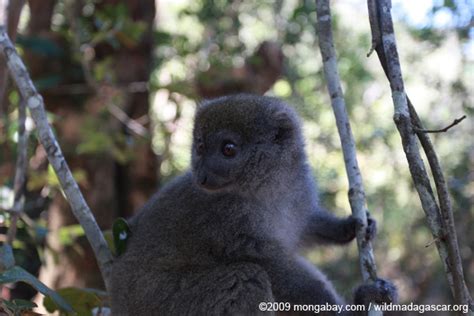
[226,235]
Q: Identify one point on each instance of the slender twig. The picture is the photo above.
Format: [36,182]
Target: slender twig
[71,8]
[14,11]
[440,218]
[3,66]
[70,187]
[11,11]
[431,243]
[131,124]
[356,189]
[78,88]
[91,82]
[10,15]
[442,130]
[20,173]
[446,211]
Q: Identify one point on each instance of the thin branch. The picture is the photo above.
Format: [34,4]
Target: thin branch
[442,130]
[131,124]
[14,11]
[3,66]
[20,173]
[356,189]
[440,218]
[79,88]
[71,189]
[447,217]
[72,7]
[85,59]
[9,16]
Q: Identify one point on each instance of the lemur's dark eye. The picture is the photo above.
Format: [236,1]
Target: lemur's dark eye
[229,149]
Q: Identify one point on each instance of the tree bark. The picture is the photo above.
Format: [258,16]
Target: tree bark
[356,188]
[440,216]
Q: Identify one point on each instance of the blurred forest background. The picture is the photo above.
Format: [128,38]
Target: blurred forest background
[121,80]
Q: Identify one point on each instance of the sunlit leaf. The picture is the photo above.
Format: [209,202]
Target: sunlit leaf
[81,300]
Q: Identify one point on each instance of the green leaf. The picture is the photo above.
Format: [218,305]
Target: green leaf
[6,257]
[162,38]
[81,300]
[18,274]
[40,46]
[14,97]
[18,305]
[8,305]
[47,81]
[109,238]
[121,233]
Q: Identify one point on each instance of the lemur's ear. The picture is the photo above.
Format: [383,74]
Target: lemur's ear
[201,104]
[285,126]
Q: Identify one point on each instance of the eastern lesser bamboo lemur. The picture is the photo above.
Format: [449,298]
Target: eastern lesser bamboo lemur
[226,235]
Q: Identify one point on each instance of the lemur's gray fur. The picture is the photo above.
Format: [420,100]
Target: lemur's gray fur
[226,235]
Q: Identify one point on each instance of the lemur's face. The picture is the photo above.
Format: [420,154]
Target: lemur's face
[237,141]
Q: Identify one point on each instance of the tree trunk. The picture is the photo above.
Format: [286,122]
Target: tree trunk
[111,188]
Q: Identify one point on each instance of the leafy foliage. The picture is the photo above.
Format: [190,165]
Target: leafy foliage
[82,301]
[17,306]
[18,274]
